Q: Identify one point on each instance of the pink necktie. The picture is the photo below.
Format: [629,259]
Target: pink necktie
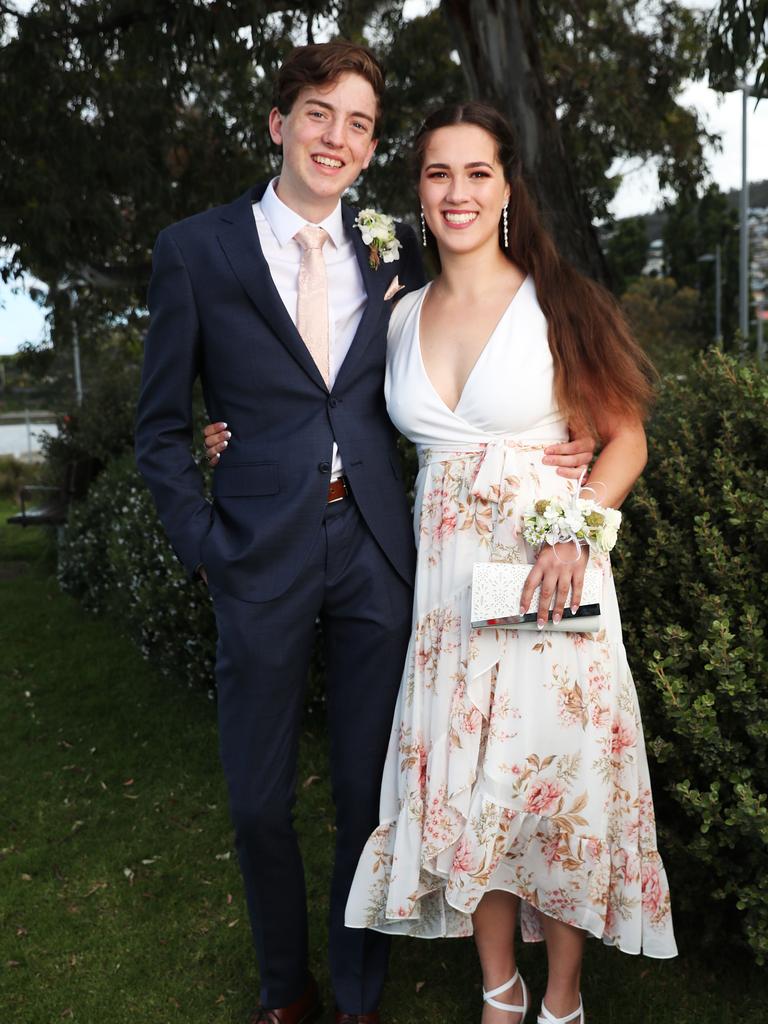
[312,309]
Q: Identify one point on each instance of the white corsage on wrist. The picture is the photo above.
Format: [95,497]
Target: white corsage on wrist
[378,231]
[579,521]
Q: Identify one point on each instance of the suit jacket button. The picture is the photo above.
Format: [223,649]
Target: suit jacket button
[324,467]
[332,402]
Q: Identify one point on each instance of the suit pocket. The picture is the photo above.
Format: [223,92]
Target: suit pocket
[245,481]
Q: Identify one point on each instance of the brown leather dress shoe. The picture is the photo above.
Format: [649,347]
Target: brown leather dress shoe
[358,1018]
[303,1010]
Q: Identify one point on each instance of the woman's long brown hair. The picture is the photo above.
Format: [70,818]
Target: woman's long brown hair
[600,370]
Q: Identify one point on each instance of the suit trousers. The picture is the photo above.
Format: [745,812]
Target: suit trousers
[263,657]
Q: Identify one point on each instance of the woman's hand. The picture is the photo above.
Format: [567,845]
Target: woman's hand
[572,457]
[216,437]
[557,570]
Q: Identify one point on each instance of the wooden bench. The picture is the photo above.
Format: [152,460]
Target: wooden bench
[43,505]
[48,511]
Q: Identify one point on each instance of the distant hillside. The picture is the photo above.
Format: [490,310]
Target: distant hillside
[758,196]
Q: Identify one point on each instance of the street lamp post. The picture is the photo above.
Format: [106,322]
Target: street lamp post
[716,258]
[744,222]
[72,293]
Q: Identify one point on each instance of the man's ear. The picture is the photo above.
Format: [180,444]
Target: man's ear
[276,126]
[371,150]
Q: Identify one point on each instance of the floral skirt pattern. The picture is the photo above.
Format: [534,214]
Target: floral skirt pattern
[516,760]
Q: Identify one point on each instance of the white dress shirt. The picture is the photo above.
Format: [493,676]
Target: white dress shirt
[277,224]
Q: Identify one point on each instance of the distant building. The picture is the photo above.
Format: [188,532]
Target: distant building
[654,263]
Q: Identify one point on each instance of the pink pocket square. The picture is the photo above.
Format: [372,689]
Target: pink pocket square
[394,288]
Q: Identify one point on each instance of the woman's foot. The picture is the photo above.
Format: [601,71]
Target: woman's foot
[507,1003]
[557,1011]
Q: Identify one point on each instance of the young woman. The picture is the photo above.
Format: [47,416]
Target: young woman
[516,782]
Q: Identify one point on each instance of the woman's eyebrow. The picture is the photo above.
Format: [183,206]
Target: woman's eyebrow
[445,167]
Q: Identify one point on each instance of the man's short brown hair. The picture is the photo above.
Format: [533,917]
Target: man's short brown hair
[323,64]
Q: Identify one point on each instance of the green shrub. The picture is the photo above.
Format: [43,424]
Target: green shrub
[99,431]
[692,568]
[115,557]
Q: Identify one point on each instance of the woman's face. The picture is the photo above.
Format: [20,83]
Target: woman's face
[462,188]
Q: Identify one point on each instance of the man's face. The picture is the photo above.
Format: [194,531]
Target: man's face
[327,141]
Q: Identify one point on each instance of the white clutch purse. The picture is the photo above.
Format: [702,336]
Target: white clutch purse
[498,586]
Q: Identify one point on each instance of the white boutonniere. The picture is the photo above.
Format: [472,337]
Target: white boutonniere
[378,231]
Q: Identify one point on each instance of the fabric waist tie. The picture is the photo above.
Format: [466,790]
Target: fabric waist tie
[494,456]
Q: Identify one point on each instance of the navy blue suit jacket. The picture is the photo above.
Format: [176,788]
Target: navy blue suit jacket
[215,312]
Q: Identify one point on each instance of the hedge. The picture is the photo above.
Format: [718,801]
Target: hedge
[692,571]
[692,574]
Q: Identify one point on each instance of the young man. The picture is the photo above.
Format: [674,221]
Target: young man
[274,302]
[310,516]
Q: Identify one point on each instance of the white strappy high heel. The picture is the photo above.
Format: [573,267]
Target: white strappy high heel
[545,1017]
[508,1007]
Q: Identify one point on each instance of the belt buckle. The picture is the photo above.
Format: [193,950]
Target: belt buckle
[341,497]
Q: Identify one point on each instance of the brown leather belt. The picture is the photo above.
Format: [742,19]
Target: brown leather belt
[337,489]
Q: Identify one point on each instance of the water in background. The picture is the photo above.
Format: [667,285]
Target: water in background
[16,440]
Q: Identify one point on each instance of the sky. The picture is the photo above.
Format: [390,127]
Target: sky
[22,320]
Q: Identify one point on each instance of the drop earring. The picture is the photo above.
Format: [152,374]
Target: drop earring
[423,229]
[506,226]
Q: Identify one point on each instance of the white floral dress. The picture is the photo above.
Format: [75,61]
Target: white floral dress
[516,760]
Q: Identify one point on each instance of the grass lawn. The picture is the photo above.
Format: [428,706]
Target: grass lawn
[120,894]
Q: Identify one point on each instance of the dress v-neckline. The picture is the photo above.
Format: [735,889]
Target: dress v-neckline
[453,411]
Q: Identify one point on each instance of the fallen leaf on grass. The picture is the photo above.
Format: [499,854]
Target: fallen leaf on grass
[13,963]
[26,878]
[420,985]
[150,860]
[95,888]
[229,899]
[21,931]
[220,1000]
[128,782]
[224,856]
[233,923]
[129,874]
[67,1014]
[308,782]
[77,825]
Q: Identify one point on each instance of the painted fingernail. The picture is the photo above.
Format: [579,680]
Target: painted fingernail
[224,444]
[556,618]
[223,426]
[574,608]
[522,609]
[229,433]
[540,624]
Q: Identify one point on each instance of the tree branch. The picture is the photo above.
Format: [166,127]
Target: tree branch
[122,21]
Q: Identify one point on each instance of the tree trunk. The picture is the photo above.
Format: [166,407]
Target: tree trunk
[496,40]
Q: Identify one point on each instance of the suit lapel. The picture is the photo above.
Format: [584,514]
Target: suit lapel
[375,282]
[239,239]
